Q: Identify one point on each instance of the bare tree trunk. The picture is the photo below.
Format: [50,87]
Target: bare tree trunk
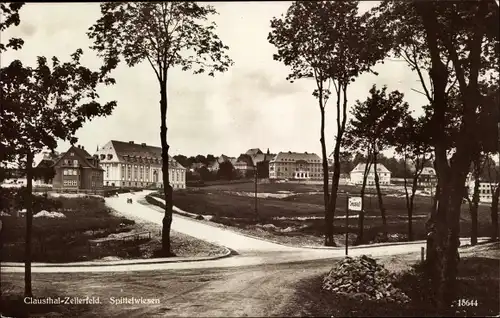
[336,152]
[495,193]
[326,180]
[359,239]
[411,207]
[29,224]
[167,189]
[494,214]
[474,206]
[379,195]
[409,203]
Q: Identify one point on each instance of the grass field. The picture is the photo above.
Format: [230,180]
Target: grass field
[67,239]
[233,205]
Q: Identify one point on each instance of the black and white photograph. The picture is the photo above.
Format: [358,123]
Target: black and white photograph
[250,159]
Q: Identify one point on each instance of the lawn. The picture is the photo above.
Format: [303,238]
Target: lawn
[230,206]
[68,239]
[477,280]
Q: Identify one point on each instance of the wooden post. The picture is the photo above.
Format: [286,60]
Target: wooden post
[346,224]
[422,253]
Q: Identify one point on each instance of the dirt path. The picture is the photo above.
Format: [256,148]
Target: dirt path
[246,291]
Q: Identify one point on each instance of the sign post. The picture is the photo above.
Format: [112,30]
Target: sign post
[347,224]
[353,204]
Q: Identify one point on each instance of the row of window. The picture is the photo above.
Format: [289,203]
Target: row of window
[142,170]
[69,162]
[70,172]
[288,160]
[298,169]
[70,183]
[142,184]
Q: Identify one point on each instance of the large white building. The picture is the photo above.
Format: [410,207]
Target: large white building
[357,173]
[295,165]
[128,164]
[486,189]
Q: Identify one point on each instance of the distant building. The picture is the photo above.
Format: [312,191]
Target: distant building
[254,151]
[214,166]
[77,170]
[244,164]
[48,160]
[224,158]
[128,164]
[357,173]
[294,165]
[486,189]
[427,176]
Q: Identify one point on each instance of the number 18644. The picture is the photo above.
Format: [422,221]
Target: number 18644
[467,302]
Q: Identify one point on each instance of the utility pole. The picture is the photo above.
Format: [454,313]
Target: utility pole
[255,174]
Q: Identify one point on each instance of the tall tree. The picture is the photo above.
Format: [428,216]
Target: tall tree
[166,35]
[374,123]
[456,44]
[315,38]
[412,142]
[40,106]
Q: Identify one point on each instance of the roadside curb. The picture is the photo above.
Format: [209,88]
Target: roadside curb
[227,253]
[464,242]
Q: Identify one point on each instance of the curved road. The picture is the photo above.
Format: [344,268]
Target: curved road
[251,251]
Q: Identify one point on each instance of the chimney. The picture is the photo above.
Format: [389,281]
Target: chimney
[306,152]
[83,148]
[143,144]
[131,142]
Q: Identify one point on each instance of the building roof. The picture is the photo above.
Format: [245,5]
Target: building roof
[428,171]
[132,149]
[80,152]
[296,156]
[361,168]
[222,158]
[253,152]
[245,158]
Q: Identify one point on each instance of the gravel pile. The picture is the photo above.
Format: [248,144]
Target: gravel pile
[50,215]
[363,278]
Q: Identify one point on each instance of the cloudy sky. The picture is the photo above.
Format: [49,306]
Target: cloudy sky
[251,105]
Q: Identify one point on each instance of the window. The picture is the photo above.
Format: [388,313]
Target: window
[135,172]
[110,156]
[75,163]
[107,172]
[103,157]
[71,154]
[142,173]
[123,172]
[65,172]
[129,172]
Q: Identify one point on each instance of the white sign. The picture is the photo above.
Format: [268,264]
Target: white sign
[355,203]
